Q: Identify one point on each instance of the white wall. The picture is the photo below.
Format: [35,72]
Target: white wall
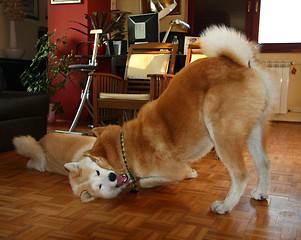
[27,31]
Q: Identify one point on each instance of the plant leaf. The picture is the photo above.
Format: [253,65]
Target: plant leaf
[90,20]
[103,19]
[95,14]
[83,25]
[75,29]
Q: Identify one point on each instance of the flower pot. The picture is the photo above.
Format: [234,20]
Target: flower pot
[101,50]
[51,114]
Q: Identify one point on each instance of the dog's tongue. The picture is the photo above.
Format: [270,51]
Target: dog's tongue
[121,179]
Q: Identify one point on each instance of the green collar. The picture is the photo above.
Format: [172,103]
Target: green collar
[132,175]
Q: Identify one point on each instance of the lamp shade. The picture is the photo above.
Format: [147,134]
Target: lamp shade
[163,7]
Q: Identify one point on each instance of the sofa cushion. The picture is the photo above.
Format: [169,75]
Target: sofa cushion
[22,113]
[33,126]
[22,104]
[2,81]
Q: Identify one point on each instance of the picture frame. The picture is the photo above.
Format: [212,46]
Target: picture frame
[188,40]
[145,7]
[32,7]
[65,1]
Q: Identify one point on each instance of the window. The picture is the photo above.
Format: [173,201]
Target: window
[278,21]
[274,24]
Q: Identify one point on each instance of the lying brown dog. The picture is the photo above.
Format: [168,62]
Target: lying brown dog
[222,101]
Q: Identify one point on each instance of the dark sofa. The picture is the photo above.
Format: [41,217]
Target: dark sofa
[21,113]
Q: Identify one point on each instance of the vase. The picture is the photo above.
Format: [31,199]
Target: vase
[13,51]
[51,114]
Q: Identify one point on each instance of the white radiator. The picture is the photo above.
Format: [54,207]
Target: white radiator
[282,70]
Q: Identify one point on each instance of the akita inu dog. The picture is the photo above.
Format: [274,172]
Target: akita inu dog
[63,154]
[222,101]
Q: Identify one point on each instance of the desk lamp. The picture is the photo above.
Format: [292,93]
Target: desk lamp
[178,22]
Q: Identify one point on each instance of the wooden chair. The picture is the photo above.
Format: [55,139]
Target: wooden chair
[161,81]
[194,52]
[145,67]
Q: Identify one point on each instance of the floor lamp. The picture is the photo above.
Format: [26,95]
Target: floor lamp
[162,7]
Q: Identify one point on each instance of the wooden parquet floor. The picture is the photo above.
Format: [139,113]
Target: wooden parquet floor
[35,205]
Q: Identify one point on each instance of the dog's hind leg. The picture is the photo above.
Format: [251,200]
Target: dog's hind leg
[256,147]
[230,140]
[231,155]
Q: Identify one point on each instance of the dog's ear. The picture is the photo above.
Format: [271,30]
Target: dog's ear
[98,131]
[86,197]
[72,167]
[100,161]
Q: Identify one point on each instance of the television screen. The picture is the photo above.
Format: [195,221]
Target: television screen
[143,28]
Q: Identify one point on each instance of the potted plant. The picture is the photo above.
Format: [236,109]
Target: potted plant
[113,28]
[48,71]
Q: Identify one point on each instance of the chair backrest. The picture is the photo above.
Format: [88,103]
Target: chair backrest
[92,66]
[194,52]
[148,58]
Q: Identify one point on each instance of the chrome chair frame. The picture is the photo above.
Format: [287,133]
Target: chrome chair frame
[90,68]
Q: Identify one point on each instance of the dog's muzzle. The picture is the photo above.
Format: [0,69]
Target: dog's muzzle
[121,179]
[112,177]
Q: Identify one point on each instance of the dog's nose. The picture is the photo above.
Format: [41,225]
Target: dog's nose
[112,177]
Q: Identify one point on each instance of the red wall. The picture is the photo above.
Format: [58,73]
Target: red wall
[59,18]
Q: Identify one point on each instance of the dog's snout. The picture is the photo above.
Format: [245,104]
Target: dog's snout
[112,177]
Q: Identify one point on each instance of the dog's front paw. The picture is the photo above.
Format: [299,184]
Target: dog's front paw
[259,195]
[193,173]
[220,207]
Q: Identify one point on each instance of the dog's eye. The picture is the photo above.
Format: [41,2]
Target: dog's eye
[97,172]
[100,186]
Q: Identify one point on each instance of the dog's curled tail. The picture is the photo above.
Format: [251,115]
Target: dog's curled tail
[29,147]
[217,41]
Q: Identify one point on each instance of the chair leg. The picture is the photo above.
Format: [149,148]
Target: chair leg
[96,117]
[80,109]
[120,118]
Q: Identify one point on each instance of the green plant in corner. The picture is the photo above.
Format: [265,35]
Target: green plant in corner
[48,71]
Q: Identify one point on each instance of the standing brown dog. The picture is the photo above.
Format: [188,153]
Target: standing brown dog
[222,101]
